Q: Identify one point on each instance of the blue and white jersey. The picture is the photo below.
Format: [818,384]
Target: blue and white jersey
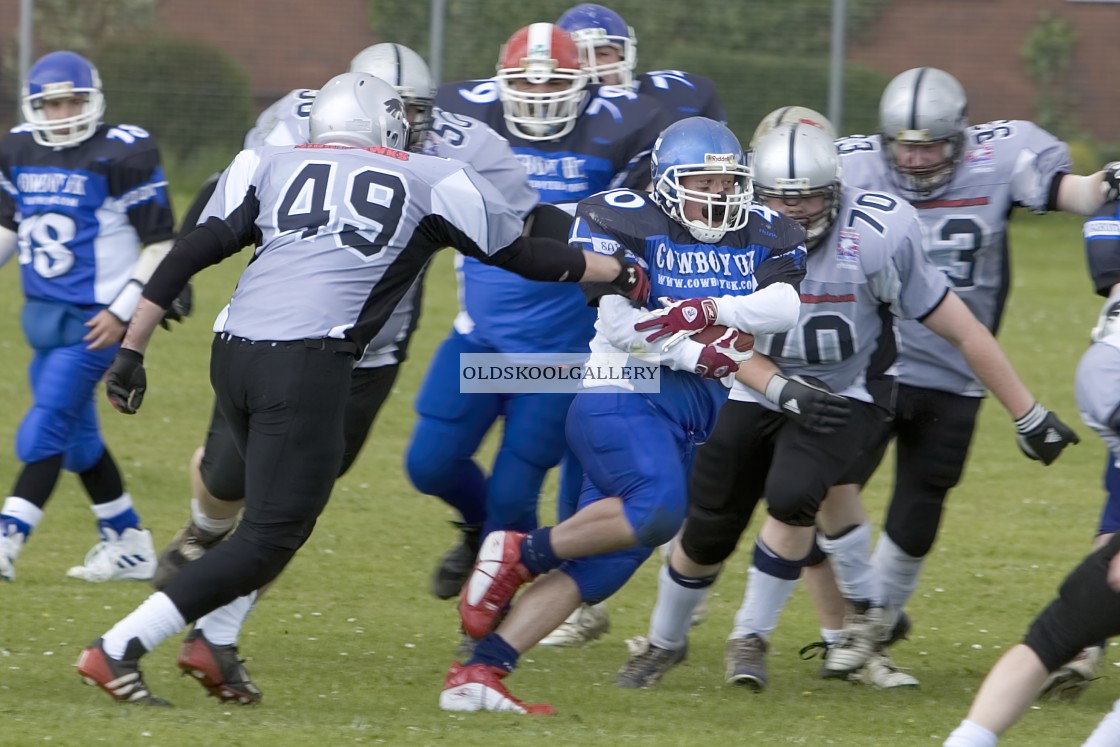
[610,146]
[1102,247]
[682,94]
[83,213]
[769,249]
[1005,164]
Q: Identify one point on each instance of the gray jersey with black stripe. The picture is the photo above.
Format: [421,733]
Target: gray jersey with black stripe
[1005,164]
[867,271]
[342,234]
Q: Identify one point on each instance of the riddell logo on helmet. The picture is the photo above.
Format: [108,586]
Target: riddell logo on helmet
[720,159]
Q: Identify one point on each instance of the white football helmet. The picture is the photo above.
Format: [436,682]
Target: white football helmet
[798,161]
[792,115]
[921,106]
[62,75]
[541,54]
[358,110]
[406,71]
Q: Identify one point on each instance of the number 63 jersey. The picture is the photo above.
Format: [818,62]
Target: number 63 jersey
[868,270]
[341,234]
[1004,164]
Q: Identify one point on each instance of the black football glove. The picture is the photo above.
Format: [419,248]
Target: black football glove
[632,282]
[125,381]
[181,307]
[1042,436]
[1110,187]
[809,403]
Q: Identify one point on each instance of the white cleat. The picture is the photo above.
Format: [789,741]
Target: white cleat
[881,672]
[585,624]
[10,545]
[129,556]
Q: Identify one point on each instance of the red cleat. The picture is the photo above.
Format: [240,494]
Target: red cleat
[121,678]
[497,576]
[219,669]
[479,688]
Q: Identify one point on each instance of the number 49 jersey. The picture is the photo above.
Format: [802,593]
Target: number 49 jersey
[83,213]
[867,271]
[341,234]
[1005,164]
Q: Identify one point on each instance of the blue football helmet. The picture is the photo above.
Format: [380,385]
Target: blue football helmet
[61,75]
[593,26]
[698,146]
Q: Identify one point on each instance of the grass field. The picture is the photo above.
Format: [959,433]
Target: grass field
[350,648]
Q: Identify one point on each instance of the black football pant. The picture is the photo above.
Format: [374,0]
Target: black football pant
[284,404]
[223,469]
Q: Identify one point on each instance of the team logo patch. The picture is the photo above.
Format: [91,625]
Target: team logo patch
[847,248]
[981,158]
[689,314]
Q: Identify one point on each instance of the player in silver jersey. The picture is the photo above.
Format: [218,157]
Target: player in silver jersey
[806,407]
[342,227]
[217,469]
[1087,609]
[964,182]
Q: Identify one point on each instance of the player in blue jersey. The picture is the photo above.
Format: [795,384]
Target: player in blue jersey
[713,259]
[609,53]
[574,139]
[780,436]
[89,205]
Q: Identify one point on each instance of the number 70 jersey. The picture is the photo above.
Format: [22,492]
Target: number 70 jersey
[868,270]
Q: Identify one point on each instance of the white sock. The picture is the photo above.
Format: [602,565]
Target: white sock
[153,622]
[115,507]
[763,602]
[222,627]
[208,525]
[830,636]
[970,734]
[22,509]
[1107,733]
[897,573]
[672,614]
[850,555]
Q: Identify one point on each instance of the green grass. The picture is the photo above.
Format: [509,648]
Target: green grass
[349,648]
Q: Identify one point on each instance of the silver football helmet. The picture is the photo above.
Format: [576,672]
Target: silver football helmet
[798,161]
[358,110]
[406,71]
[792,115]
[919,107]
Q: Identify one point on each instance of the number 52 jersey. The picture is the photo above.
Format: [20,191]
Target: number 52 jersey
[1004,164]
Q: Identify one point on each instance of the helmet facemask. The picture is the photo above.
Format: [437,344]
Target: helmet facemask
[720,212]
[621,71]
[542,115]
[63,75]
[926,178]
[794,191]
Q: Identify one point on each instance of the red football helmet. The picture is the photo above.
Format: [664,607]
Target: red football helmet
[541,83]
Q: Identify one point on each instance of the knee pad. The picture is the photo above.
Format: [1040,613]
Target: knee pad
[1051,637]
[710,538]
[795,513]
[223,474]
[84,454]
[429,460]
[600,576]
[657,518]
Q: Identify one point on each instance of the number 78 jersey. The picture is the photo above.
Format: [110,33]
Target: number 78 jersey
[1004,164]
[868,270]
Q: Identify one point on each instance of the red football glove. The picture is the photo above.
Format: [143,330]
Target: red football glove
[720,357]
[690,315]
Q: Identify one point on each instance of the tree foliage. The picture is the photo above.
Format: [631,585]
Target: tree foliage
[84,25]
[761,54]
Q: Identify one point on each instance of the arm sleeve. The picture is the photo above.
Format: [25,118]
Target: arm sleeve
[770,310]
[616,323]
[206,245]
[540,259]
